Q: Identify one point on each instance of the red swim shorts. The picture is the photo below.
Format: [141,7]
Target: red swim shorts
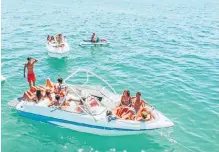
[31,77]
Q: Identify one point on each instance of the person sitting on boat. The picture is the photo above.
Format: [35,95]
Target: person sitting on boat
[61,86]
[47,94]
[48,38]
[126,102]
[30,94]
[59,40]
[94,38]
[50,85]
[34,94]
[63,98]
[126,99]
[56,102]
[52,40]
[38,95]
[138,102]
[144,115]
[128,115]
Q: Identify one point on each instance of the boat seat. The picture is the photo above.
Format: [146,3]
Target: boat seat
[73,97]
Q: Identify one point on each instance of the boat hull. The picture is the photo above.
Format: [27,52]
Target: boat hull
[94,44]
[82,127]
[98,125]
[58,52]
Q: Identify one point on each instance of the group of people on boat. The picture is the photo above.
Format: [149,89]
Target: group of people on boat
[133,108]
[130,108]
[57,96]
[54,92]
[58,41]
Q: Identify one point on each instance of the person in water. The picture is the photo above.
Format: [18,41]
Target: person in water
[30,72]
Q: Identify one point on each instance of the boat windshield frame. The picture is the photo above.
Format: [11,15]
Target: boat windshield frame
[87,108]
[87,79]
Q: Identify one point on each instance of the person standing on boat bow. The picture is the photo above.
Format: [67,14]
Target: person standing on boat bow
[30,72]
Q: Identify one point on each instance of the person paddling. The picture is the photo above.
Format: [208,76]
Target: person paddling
[30,73]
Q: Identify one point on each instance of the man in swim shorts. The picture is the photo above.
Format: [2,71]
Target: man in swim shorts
[30,73]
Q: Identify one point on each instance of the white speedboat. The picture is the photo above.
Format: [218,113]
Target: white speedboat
[90,43]
[88,111]
[57,51]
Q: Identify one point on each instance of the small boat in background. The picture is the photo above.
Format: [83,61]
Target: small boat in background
[57,47]
[57,51]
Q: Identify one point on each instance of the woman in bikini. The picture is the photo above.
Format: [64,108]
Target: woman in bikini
[47,94]
[30,94]
[126,101]
[144,115]
[34,94]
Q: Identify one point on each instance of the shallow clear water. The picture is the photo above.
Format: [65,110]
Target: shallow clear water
[168,50]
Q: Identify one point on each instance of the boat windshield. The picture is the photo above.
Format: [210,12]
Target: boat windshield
[87,78]
[90,96]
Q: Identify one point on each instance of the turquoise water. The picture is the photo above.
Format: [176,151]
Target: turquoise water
[168,50]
